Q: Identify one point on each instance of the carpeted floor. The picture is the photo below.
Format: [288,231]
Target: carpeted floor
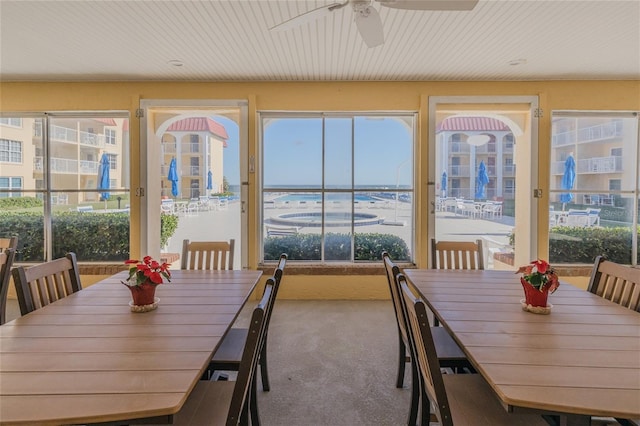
[333,363]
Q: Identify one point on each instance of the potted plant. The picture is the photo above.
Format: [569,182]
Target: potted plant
[144,276]
[538,280]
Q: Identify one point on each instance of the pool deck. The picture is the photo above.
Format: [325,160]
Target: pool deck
[225,224]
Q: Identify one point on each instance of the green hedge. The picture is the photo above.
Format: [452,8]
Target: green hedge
[368,247]
[92,236]
[13,203]
[569,244]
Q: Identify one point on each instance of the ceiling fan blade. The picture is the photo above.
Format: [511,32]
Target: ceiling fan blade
[429,4]
[369,26]
[311,15]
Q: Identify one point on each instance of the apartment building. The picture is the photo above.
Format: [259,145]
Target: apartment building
[76,147]
[197,144]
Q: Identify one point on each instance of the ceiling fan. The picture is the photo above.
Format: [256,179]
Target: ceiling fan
[367,17]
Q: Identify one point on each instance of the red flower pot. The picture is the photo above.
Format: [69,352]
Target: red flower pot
[534,296]
[143,294]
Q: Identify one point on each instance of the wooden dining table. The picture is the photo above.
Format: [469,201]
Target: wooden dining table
[581,360]
[87,358]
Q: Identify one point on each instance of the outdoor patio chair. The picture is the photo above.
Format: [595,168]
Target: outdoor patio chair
[229,402]
[615,282]
[40,285]
[207,255]
[449,353]
[461,399]
[6,261]
[229,352]
[577,218]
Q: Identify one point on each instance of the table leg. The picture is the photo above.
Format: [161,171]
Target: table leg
[567,420]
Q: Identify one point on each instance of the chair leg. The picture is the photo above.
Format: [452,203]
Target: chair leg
[425,410]
[253,402]
[415,395]
[402,360]
[263,368]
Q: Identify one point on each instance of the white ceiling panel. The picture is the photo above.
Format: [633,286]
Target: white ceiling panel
[112,40]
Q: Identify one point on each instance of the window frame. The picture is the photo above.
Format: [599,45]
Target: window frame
[12,153]
[353,190]
[562,139]
[43,187]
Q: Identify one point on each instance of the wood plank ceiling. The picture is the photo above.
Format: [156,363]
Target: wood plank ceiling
[230,41]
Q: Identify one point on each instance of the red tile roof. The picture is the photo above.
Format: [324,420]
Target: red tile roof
[200,124]
[107,121]
[471,124]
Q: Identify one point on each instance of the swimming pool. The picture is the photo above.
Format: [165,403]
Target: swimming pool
[312,198]
[331,219]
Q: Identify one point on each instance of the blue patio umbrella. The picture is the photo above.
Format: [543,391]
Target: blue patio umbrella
[209,180]
[103,177]
[481,181]
[568,179]
[443,183]
[173,177]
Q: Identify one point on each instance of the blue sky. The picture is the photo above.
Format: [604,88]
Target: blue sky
[293,151]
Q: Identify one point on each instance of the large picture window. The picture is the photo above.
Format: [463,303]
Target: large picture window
[337,187]
[62,189]
[594,187]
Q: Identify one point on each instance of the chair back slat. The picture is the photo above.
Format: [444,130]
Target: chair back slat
[456,255]
[424,351]
[11,243]
[39,285]
[6,261]
[246,372]
[615,282]
[207,255]
[392,270]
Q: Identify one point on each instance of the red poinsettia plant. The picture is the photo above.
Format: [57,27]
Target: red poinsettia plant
[147,270]
[540,275]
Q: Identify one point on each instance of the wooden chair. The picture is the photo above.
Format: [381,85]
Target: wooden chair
[228,402]
[207,255]
[6,261]
[11,243]
[228,356]
[42,284]
[617,283]
[456,255]
[449,353]
[461,399]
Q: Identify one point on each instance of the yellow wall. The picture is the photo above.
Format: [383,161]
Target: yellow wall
[326,96]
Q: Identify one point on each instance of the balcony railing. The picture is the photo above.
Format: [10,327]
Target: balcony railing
[65,134]
[459,171]
[190,148]
[91,139]
[509,170]
[600,165]
[459,147]
[589,134]
[67,166]
[486,148]
[89,167]
[169,148]
[192,171]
